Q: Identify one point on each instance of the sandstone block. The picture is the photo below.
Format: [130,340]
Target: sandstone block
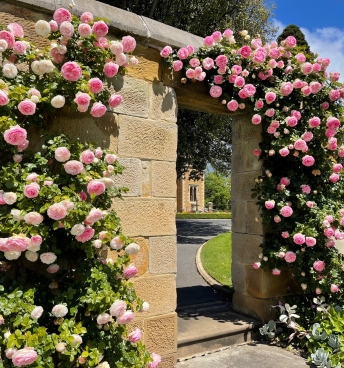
[146,217]
[243,158]
[168,361]
[245,247]
[158,291]
[147,139]
[161,334]
[239,224]
[131,177]
[146,178]
[243,131]
[238,277]
[164,179]
[254,221]
[162,103]
[163,254]
[242,184]
[134,93]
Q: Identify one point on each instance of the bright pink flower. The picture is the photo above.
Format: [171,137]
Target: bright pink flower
[8,37]
[183,53]
[98,110]
[285,181]
[270,113]
[257,152]
[232,105]
[126,317]
[115,100]
[286,88]
[270,97]
[301,58]
[87,235]
[305,188]
[208,41]
[166,51]
[27,107]
[190,49]
[310,241]
[256,119]
[36,240]
[228,33]
[259,55]
[315,87]
[306,90]
[334,94]
[221,61]
[110,69]
[319,266]
[100,28]
[4,100]
[276,272]
[286,211]
[245,51]
[284,152]
[57,211]
[71,71]
[215,91]
[308,160]
[316,68]
[259,104]
[328,232]
[31,190]
[96,187]
[269,204]
[337,168]
[249,90]
[314,122]
[290,42]
[325,105]
[310,204]
[130,271]
[17,244]
[239,81]
[135,335]
[256,265]
[285,235]
[334,178]
[62,15]
[83,196]
[94,216]
[218,79]
[290,257]
[87,157]
[277,219]
[300,145]
[15,135]
[177,65]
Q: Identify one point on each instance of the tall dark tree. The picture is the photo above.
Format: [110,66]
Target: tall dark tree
[294,30]
[205,138]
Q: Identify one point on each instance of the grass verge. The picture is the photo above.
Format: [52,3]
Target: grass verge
[216,257]
[203,215]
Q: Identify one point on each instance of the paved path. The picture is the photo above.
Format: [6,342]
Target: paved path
[191,234]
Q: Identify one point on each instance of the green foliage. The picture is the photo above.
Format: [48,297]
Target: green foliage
[217,190]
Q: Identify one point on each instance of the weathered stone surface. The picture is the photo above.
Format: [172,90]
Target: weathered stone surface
[147,139]
[243,158]
[147,217]
[245,247]
[254,221]
[264,285]
[238,276]
[242,184]
[238,209]
[339,244]
[257,308]
[161,334]
[131,177]
[163,254]
[243,131]
[168,361]
[164,179]
[158,291]
[134,93]
[146,178]
[162,103]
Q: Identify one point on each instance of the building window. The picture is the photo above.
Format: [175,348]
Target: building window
[193,192]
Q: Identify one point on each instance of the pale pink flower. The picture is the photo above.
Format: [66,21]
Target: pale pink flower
[95,215]
[277,219]
[71,71]
[301,58]
[132,248]
[270,204]
[310,204]
[115,100]
[36,312]
[249,90]
[96,187]
[306,68]
[215,91]
[334,288]
[285,235]
[110,69]
[130,271]
[85,30]
[299,238]
[33,218]
[31,190]
[308,160]
[48,258]
[116,243]
[129,43]
[87,235]
[256,265]
[66,29]
[286,88]
[256,119]
[15,135]
[300,145]
[315,87]
[73,167]
[100,28]
[36,240]
[286,211]
[96,85]
[103,318]
[53,268]
[62,154]
[314,122]
[276,272]
[27,107]
[135,335]
[86,17]
[59,310]
[208,63]
[17,243]
[110,158]
[310,241]
[177,65]
[24,357]
[290,257]
[118,308]
[98,110]
[61,15]
[126,317]
[319,266]
[9,197]
[284,152]
[156,360]
[57,211]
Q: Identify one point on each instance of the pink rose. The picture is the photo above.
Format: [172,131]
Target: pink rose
[15,135]
[86,17]
[62,154]
[290,257]
[135,335]
[319,266]
[116,243]
[208,63]
[48,258]
[24,357]
[96,187]
[23,146]
[82,100]
[270,97]
[118,308]
[17,243]
[16,29]
[306,68]
[256,119]
[86,157]
[53,268]
[308,160]
[249,90]
[276,272]
[73,167]
[103,318]
[71,71]
[129,43]
[62,15]
[284,152]
[299,238]
[290,42]
[232,105]
[126,317]
[156,360]
[96,85]
[110,158]
[33,218]
[87,235]
[285,235]
[8,37]
[94,216]
[310,241]
[257,152]
[177,65]
[256,265]
[4,100]
[100,28]
[66,29]
[215,91]
[286,211]
[57,211]
[245,51]
[36,240]
[31,190]
[166,51]
[110,69]
[59,310]
[334,178]
[130,271]
[98,110]
[115,100]
[221,61]
[270,204]
[286,88]
[334,288]
[53,26]
[85,30]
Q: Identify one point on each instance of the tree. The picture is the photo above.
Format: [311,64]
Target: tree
[217,190]
[294,30]
[205,138]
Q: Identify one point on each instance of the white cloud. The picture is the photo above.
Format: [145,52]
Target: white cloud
[326,42]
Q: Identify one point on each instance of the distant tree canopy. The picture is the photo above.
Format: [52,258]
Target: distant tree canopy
[217,190]
[294,30]
[205,138]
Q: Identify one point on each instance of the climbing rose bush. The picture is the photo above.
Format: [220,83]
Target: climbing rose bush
[299,106]
[63,300]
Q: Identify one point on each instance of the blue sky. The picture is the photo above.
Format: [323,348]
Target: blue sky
[322,23]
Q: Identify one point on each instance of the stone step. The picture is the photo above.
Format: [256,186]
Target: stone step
[207,327]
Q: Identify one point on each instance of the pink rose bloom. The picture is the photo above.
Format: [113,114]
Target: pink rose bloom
[215,91]
[310,204]
[285,181]
[325,105]
[86,17]
[94,216]
[276,272]
[290,42]
[249,90]
[308,160]
[337,168]
[115,100]
[48,257]
[290,257]
[86,157]
[300,145]
[318,291]
[208,41]
[316,68]
[84,30]
[232,105]
[53,26]
[98,110]
[33,218]
[17,244]
[257,152]
[245,51]
[270,113]
[71,71]
[135,335]
[259,104]
[59,310]
[286,88]
[96,187]
[156,360]
[8,37]
[256,265]
[166,51]
[87,235]
[310,241]
[118,308]
[256,119]
[62,15]
[24,357]
[277,219]
[36,240]
[239,81]
[19,48]
[83,196]
[103,318]
[27,107]
[332,123]
[307,136]
[57,211]
[116,243]
[53,268]
[66,29]
[208,63]
[315,87]
[270,97]
[130,271]
[4,100]
[177,65]
[286,211]
[110,158]
[319,266]
[284,152]
[31,190]
[306,68]
[100,28]
[301,58]
[110,69]
[285,235]
[15,135]
[129,43]
[221,61]
[228,33]
[329,232]
[270,204]
[183,53]
[194,62]
[291,121]
[236,69]
[126,317]
[96,85]
[73,167]
[16,29]
[314,122]
[334,288]
[334,178]
[191,49]
[299,238]
[334,94]
[62,154]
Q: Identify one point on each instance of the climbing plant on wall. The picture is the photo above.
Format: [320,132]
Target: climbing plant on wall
[300,193]
[62,301]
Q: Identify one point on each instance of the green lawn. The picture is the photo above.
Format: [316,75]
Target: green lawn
[216,256]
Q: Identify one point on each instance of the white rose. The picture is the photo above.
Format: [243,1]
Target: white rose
[3,45]
[103,318]
[33,247]
[35,67]
[58,101]
[48,258]
[108,182]
[37,312]
[34,99]
[304,286]
[77,339]
[10,70]
[116,47]
[16,215]
[97,243]
[145,307]
[46,66]
[77,229]
[12,255]
[59,310]
[132,248]
[103,365]
[42,28]
[60,347]
[62,49]
[31,256]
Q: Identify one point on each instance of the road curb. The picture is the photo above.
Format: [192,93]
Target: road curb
[208,279]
